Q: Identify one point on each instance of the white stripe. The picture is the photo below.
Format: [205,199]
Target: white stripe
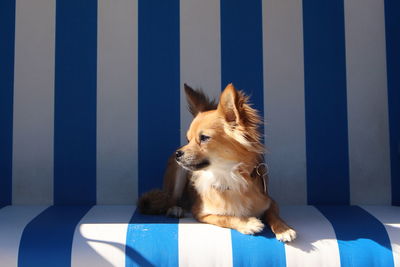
[284,100]
[117,102]
[389,216]
[200,51]
[316,243]
[367,109]
[100,237]
[203,244]
[33,102]
[13,220]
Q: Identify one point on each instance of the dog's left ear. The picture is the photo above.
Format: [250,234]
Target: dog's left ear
[198,101]
[230,104]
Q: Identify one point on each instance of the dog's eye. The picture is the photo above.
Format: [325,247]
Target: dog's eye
[204,138]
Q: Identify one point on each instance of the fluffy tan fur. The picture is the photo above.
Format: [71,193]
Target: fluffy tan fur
[214,172]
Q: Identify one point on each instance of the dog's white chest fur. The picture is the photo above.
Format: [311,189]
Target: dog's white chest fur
[228,181]
[224,177]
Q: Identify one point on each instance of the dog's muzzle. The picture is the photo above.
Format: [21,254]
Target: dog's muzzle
[191,166]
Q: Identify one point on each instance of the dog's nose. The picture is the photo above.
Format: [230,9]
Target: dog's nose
[179,154]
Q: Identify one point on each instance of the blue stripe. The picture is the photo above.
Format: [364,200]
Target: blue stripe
[7,39]
[159,97]
[242,48]
[259,250]
[362,239]
[47,239]
[152,241]
[392,22]
[325,102]
[75,102]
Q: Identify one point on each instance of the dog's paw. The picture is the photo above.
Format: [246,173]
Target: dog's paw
[251,226]
[176,212]
[287,235]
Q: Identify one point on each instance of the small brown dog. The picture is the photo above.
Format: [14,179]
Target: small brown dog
[219,174]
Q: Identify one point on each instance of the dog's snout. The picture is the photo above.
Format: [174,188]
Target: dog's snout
[179,154]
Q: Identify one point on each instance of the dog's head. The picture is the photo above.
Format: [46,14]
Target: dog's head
[220,135]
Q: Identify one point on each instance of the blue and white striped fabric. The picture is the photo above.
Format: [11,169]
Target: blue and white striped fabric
[118,236]
[91,106]
[91,101]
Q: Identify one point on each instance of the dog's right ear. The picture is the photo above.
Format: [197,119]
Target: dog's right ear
[198,101]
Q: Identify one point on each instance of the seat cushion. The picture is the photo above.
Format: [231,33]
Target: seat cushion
[120,236]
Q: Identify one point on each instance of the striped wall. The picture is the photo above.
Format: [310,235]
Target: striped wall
[7,41]
[392,20]
[91,101]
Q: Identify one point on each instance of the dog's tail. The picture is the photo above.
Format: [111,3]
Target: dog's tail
[154,202]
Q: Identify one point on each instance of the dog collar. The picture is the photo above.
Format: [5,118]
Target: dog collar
[262,171]
[221,188]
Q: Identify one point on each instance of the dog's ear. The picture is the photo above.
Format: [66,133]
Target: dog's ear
[198,101]
[230,104]
[242,120]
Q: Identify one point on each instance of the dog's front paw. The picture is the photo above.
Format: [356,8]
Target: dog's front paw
[286,235]
[176,212]
[251,226]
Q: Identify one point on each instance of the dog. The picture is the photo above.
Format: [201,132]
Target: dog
[219,174]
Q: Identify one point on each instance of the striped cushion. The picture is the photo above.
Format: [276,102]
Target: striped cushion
[119,236]
[91,101]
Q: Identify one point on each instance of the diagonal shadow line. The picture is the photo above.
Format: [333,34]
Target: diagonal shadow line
[127,250]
